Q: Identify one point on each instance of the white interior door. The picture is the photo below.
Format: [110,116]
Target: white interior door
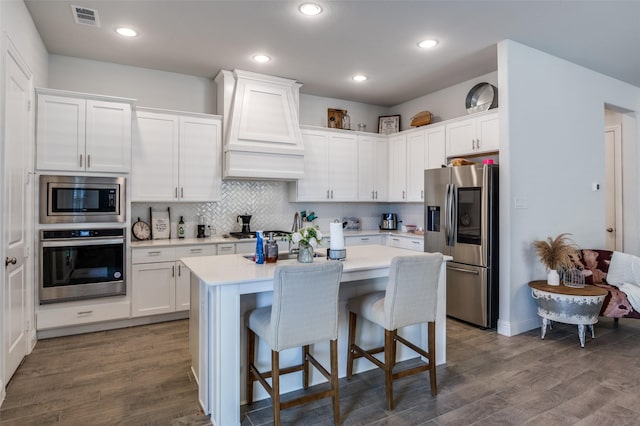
[16,150]
[613,188]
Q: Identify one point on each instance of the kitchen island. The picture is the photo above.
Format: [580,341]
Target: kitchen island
[223,288]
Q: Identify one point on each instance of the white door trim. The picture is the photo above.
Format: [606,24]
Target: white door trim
[618,200]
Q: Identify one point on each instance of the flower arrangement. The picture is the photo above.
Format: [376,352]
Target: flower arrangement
[309,236]
[556,253]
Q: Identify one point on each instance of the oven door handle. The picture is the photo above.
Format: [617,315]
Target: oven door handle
[77,243]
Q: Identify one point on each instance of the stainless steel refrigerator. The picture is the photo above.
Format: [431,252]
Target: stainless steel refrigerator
[461,220]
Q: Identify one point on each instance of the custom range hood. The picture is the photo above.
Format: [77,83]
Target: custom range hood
[261,130]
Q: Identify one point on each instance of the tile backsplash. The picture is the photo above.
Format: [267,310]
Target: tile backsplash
[268,203]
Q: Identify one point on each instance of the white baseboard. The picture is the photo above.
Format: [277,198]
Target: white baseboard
[508,328]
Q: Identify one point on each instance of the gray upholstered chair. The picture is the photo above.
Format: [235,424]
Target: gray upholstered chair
[410,298]
[304,311]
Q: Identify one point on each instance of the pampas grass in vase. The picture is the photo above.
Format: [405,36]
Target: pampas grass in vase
[555,254]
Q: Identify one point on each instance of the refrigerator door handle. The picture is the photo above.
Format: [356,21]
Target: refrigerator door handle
[468,271]
[447,209]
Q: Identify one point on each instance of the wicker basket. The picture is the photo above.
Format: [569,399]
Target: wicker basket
[421,119]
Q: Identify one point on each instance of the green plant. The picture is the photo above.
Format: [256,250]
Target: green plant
[308,235]
[556,253]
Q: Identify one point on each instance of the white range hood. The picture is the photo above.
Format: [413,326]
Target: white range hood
[261,130]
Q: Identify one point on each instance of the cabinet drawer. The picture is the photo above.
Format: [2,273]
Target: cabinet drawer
[246,247]
[364,240]
[153,254]
[226,249]
[81,314]
[414,244]
[193,251]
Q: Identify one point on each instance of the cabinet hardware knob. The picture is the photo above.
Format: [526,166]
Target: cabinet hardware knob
[11,261]
[182,192]
[80,160]
[609,229]
[88,161]
[85,312]
[173,271]
[373,195]
[332,194]
[376,195]
[327,194]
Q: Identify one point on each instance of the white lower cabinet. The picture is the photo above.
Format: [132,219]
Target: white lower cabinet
[415,244]
[160,281]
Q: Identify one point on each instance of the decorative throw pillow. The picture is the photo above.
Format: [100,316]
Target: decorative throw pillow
[620,270]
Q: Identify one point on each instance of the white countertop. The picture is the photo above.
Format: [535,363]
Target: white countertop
[219,239]
[235,268]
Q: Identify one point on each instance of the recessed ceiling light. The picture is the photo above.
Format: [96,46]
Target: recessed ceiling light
[310,9]
[427,44]
[359,77]
[261,58]
[126,32]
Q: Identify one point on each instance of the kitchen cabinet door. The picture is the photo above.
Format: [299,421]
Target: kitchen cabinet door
[108,136]
[435,148]
[183,287]
[153,289]
[488,133]
[60,135]
[315,184]
[373,168]
[154,171]
[397,168]
[342,166]
[200,167]
[79,134]
[416,153]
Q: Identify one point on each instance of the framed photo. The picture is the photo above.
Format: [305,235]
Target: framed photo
[388,124]
[334,118]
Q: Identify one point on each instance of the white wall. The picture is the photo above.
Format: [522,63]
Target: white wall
[444,104]
[551,150]
[151,88]
[313,111]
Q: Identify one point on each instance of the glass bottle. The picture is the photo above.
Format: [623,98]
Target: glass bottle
[271,250]
[346,121]
[181,228]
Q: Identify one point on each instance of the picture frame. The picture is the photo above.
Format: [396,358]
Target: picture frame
[160,224]
[334,118]
[388,124]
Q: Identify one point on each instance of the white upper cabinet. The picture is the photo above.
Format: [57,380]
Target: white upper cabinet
[474,135]
[176,157]
[81,134]
[331,167]
[410,154]
[398,168]
[373,168]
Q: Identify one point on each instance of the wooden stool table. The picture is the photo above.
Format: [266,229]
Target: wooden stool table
[570,305]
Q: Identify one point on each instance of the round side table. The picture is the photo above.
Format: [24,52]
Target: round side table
[569,305]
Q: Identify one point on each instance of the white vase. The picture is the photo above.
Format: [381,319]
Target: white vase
[553,278]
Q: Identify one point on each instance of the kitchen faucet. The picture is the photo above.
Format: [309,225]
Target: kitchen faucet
[297,224]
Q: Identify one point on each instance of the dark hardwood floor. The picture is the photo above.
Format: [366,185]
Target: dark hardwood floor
[140,376]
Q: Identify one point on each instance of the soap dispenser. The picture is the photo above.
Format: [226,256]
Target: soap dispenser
[272,250]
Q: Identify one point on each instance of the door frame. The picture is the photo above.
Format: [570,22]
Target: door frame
[617,196]
[9,49]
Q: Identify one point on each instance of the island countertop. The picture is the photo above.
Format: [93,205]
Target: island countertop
[235,269]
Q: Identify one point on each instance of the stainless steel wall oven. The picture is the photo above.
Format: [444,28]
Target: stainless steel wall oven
[81,264]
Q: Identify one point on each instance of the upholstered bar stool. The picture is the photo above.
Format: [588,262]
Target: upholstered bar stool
[304,311]
[410,298]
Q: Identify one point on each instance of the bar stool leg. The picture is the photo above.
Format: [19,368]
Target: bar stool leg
[352,340]
[431,347]
[251,342]
[305,367]
[389,362]
[275,386]
[334,381]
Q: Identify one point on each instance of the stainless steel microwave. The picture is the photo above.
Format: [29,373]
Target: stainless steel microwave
[82,199]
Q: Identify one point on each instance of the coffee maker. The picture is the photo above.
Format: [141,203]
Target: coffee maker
[246,218]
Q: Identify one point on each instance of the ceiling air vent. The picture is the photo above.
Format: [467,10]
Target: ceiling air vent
[85,16]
